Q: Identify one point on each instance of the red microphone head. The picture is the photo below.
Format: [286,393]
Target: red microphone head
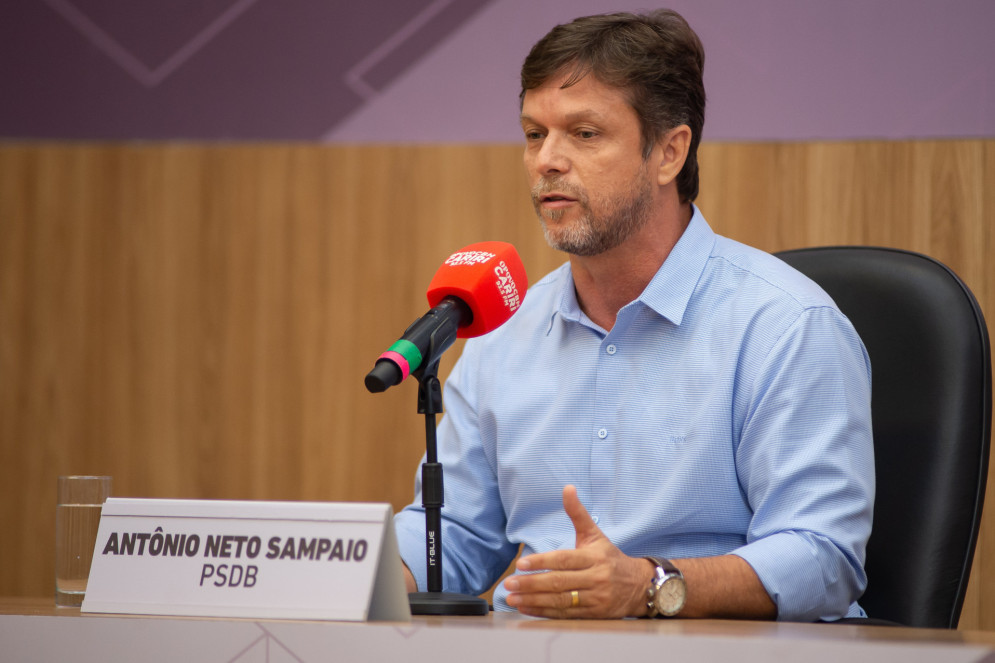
[489,277]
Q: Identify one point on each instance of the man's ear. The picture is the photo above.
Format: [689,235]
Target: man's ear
[673,150]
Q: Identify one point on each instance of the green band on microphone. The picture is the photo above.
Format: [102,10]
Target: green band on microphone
[409,351]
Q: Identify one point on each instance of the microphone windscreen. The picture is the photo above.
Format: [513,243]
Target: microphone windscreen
[489,277]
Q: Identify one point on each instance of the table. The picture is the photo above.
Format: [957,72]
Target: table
[35,630]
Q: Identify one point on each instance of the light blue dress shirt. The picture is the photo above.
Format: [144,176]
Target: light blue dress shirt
[728,411]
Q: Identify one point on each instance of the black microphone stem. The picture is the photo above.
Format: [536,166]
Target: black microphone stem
[435,601]
[433,491]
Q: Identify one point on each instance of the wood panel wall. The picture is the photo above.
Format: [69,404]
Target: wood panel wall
[196,320]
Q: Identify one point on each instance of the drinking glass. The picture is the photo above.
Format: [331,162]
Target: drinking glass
[77,515]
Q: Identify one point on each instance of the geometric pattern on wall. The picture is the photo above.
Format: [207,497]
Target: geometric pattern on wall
[206,69]
[447,70]
[150,40]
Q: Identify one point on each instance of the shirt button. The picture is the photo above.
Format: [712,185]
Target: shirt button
[603,433]
[611,349]
[595,519]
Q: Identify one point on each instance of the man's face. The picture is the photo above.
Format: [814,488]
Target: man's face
[591,187]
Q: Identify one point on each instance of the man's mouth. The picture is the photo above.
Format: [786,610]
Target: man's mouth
[555,198]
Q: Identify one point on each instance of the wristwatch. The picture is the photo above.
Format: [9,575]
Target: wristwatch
[667,592]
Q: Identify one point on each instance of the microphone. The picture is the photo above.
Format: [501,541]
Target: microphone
[475,291]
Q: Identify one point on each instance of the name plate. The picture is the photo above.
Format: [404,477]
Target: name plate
[213,558]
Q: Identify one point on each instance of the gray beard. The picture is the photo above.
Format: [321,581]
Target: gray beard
[593,233]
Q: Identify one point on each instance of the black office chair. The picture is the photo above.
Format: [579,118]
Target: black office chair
[931,410]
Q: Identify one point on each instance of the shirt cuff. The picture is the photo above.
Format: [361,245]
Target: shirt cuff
[789,569]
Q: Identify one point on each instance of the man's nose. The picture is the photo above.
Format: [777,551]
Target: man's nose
[552,157]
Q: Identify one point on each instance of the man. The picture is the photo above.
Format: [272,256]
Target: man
[673,423]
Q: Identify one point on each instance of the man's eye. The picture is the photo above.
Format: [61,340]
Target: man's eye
[586,133]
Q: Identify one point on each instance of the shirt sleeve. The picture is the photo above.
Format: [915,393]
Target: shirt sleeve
[805,461]
[475,549]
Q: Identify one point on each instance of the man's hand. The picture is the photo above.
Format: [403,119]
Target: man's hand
[594,581]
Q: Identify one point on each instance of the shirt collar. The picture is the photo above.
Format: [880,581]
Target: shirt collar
[670,290]
[567,307]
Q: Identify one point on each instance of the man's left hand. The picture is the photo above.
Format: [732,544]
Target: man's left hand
[596,580]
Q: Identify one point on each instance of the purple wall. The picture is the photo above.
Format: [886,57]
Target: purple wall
[447,70]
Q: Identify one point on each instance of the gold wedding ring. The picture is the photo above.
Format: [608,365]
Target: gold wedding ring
[574,598]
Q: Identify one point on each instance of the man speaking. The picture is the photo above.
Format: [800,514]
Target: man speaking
[673,423]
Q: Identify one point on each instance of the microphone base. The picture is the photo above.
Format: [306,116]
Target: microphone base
[446,603]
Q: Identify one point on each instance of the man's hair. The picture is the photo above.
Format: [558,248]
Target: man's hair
[657,59]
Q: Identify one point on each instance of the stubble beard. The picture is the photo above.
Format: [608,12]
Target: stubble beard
[594,232]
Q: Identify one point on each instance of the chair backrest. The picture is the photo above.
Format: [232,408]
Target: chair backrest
[931,412]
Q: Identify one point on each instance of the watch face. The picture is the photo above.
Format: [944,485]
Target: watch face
[670,596]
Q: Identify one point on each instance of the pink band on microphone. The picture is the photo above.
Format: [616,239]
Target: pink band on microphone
[398,359]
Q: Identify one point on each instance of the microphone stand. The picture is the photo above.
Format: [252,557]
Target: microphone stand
[435,601]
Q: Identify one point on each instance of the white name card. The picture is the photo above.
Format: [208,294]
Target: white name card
[284,560]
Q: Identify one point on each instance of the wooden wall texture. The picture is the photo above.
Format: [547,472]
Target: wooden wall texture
[196,320]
